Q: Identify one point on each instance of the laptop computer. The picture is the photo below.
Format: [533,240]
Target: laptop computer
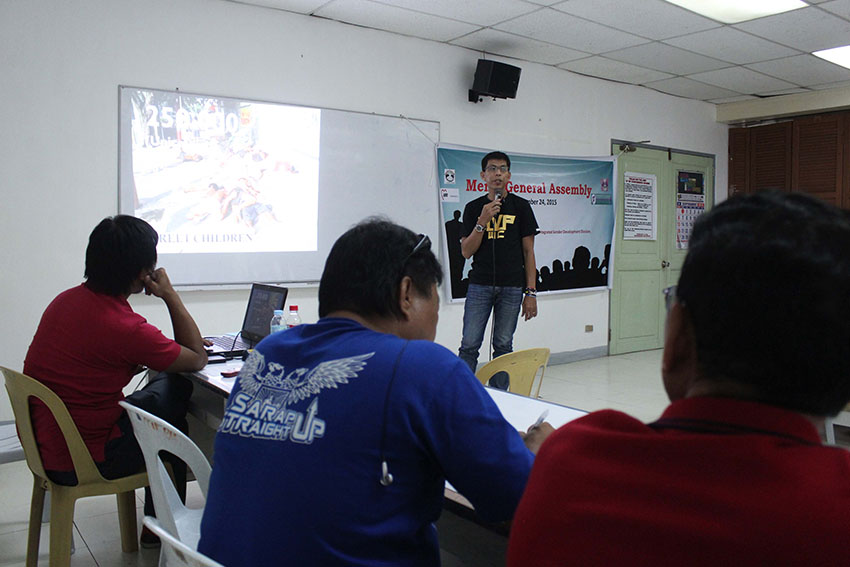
[262,302]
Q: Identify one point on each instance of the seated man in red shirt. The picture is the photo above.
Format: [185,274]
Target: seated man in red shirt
[756,354]
[90,343]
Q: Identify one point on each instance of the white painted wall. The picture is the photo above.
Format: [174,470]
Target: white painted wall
[61,63]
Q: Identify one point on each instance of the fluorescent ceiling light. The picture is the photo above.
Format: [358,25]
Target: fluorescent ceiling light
[734,11]
[837,55]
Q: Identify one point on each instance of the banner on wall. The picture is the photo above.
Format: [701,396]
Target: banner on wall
[572,200]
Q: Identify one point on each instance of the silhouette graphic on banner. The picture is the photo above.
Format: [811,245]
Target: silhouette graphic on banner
[580,271]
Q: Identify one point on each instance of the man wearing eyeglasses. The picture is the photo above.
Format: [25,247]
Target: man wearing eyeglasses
[338,436]
[500,229]
[756,355]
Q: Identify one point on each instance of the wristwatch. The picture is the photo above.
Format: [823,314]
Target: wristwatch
[479,228]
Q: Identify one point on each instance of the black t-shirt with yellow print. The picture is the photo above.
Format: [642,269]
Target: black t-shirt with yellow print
[502,239]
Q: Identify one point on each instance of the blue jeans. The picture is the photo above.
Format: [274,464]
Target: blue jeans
[505,302]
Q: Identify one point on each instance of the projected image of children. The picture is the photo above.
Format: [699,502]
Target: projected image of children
[221,175]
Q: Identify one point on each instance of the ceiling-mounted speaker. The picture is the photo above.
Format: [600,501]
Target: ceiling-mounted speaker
[495,79]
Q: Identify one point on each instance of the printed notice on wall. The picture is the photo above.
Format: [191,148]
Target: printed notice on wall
[640,211]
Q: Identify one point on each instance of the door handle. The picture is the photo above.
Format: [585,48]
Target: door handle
[665,264]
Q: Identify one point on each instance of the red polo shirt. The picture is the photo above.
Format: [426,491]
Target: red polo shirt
[85,349]
[713,482]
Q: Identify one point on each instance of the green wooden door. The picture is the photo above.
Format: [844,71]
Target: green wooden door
[642,268]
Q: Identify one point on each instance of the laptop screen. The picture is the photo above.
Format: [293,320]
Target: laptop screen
[261,305]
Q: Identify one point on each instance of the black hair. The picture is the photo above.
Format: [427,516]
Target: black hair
[495,155]
[766,283]
[119,248]
[366,265]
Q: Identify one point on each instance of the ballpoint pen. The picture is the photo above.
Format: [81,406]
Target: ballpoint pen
[540,419]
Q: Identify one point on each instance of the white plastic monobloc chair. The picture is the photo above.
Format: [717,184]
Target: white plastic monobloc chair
[156,435]
[175,552]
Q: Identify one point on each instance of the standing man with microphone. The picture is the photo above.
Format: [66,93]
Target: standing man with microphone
[500,229]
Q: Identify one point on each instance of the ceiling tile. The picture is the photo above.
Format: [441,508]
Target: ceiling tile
[613,40]
[729,44]
[471,12]
[663,57]
[563,29]
[598,66]
[803,70]
[681,86]
[497,42]
[839,7]
[828,86]
[795,90]
[300,6]
[738,98]
[397,20]
[807,29]
[743,80]
[654,19]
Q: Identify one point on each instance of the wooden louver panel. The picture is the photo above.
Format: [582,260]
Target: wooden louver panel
[818,154]
[739,160]
[770,157]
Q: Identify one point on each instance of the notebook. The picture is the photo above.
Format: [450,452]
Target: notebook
[263,301]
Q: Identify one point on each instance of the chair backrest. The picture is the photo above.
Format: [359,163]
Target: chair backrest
[156,435]
[21,388]
[521,366]
[177,553]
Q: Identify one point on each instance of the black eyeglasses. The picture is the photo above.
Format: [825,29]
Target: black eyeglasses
[423,244]
[669,296]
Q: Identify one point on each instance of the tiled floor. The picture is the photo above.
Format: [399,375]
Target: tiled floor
[630,382]
[96,535]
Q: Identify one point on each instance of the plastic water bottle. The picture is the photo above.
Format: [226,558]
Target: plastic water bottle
[293,319]
[277,323]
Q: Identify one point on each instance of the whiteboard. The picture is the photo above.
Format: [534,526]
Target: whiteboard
[368,165]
